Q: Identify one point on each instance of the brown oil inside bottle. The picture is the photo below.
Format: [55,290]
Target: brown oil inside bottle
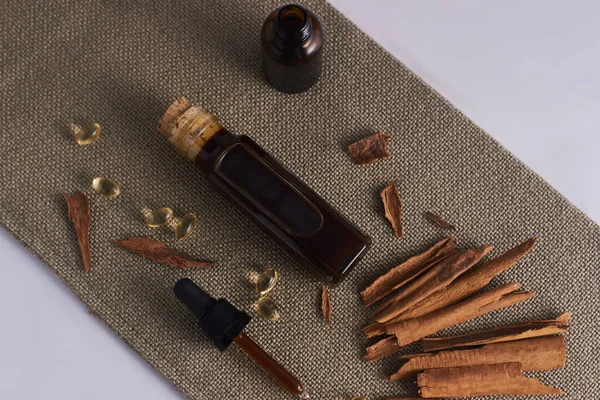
[282,205]
[269,364]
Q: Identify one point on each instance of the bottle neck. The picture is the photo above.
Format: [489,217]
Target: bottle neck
[292,26]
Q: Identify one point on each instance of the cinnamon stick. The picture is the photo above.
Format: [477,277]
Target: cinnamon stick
[501,334]
[466,285]
[439,221]
[407,271]
[481,380]
[370,149]
[381,349]
[78,205]
[414,329]
[393,207]
[537,354]
[326,305]
[437,278]
[159,251]
[375,329]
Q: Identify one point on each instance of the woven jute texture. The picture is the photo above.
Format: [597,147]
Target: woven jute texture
[122,63]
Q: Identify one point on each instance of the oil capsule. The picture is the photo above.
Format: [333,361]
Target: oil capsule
[106,187]
[157,218]
[184,226]
[86,134]
[267,308]
[266,281]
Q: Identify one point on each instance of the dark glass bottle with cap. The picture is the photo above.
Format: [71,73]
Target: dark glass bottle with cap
[277,201]
[292,43]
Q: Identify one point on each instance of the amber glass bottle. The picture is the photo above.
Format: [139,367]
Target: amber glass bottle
[292,42]
[272,196]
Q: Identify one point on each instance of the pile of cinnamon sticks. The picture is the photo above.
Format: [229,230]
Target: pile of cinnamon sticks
[440,288]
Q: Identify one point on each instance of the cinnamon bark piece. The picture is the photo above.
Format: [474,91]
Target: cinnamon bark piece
[393,207]
[414,329]
[411,330]
[501,334]
[469,283]
[407,271]
[482,380]
[381,349]
[374,329]
[159,251]
[536,354]
[437,278]
[326,305]
[370,149]
[78,205]
[439,221]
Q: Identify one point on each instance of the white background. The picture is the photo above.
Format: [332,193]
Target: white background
[526,71]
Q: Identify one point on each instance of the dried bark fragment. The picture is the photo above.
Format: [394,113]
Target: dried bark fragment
[326,305]
[439,221]
[437,278]
[79,213]
[374,329]
[381,349]
[159,251]
[481,380]
[501,334]
[370,149]
[537,354]
[414,329]
[393,207]
[407,271]
[411,330]
[467,284]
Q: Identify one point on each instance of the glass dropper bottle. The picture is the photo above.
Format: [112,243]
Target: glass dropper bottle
[224,324]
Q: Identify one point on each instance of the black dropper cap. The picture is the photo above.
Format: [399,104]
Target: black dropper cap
[219,319]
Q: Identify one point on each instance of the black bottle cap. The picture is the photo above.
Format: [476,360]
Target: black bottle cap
[219,319]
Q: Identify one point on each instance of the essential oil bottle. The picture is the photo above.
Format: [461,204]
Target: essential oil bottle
[269,194]
[292,42]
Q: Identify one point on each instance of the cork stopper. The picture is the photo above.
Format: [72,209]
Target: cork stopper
[167,124]
[188,127]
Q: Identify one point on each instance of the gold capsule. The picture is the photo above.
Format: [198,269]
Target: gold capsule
[86,134]
[106,187]
[267,308]
[184,226]
[158,217]
[266,281]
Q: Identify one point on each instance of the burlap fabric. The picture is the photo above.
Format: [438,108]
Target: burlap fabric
[121,63]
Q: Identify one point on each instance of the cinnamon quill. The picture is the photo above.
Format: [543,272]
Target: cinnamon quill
[481,380]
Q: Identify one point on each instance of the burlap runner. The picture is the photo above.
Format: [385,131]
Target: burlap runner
[121,63]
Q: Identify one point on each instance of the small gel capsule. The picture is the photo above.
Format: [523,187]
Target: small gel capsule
[86,134]
[157,218]
[186,226]
[266,281]
[267,308]
[106,187]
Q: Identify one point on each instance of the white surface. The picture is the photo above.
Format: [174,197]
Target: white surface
[527,72]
